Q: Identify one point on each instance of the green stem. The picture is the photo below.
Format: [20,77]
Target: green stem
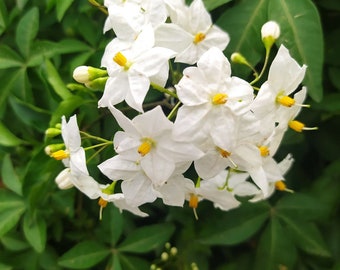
[263,68]
[99,6]
[174,110]
[98,145]
[89,136]
[163,90]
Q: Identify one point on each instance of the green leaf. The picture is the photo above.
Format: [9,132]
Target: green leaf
[72,46]
[146,238]
[236,225]
[9,58]
[7,138]
[212,4]
[8,80]
[306,236]
[243,23]
[11,209]
[62,6]
[14,241]
[84,255]
[35,231]
[5,267]
[331,102]
[133,263]
[29,114]
[301,33]
[302,206]
[66,107]
[42,49]
[55,81]
[3,17]
[275,249]
[9,176]
[27,30]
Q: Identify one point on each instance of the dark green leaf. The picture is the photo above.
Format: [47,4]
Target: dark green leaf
[27,30]
[236,225]
[146,238]
[212,4]
[84,255]
[62,6]
[133,263]
[66,107]
[30,115]
[72,45]
[7,138]
[3,17]
[330,103]
[8,80]
[55,81]
[301,33]
[9,58]
[243,22]
[35,231]
[11,209]
[306,236]
[10,177]
[42,49]
[275,250]
[13,241]
[301,206]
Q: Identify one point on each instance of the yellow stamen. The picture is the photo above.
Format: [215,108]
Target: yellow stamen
[264,150]
[296,125]
[224,153]
[219,99]
[102,203]
[199,37]
[121,60]
[285,100]
[281,186]
[145,147]
[60,154]
[193,203]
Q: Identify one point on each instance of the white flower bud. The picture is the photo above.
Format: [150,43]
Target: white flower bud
[81,74]
[270,28]
[63,179]
[270,32]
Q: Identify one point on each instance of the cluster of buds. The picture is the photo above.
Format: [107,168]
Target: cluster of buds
[226,127]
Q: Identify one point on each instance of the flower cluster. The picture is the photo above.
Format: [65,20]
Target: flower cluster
[223,129]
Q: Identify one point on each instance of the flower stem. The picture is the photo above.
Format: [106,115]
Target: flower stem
[89,136]
[257,78]
[163,90]
[174,110]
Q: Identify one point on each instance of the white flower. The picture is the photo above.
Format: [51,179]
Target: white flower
[191,32]
[285,75]
[127,18]
[147,139]
[132,68]
[211,99]
[270,32]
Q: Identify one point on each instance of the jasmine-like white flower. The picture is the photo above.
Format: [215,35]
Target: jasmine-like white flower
[148,140]
[270,32]
[127,18]
[285,75]
[212,100]
[191,32]
[132,68]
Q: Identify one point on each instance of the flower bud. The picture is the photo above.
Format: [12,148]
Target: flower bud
[85,74]
[97,84]
[63,179]
[52,132]
[270,32]
[49,149]
[238,58]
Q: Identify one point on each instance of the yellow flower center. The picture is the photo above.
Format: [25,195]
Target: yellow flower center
[121,60]
[102,203]
[296,125]
[264,150]
[199,37]
[285,100]
[145,146]
[219,98]
[60,154]
[281,186]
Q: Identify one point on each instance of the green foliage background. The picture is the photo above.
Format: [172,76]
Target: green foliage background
[42,227]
